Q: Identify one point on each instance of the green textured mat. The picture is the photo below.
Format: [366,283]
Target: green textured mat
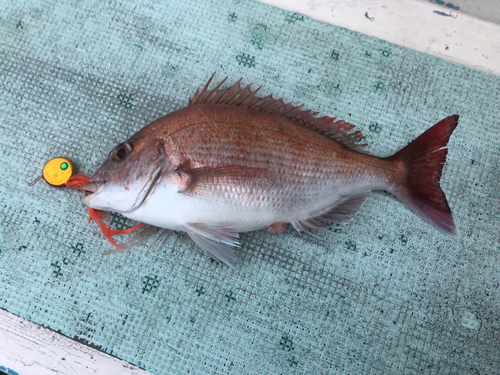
[383,294]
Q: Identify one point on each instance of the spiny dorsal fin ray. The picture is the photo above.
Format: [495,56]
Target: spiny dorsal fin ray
[237,96]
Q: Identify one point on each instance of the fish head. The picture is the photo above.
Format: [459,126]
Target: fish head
[128,175]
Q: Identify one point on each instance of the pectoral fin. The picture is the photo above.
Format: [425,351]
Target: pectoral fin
[211,181]
[218,240]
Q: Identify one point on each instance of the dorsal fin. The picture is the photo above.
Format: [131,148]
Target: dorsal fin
[238,96]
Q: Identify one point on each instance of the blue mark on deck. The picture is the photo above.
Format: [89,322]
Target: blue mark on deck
[8,371]
[445,14]
[448,5]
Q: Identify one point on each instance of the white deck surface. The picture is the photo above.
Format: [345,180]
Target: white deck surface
[422,25]
[30,349]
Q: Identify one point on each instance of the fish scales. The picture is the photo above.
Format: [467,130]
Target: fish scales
[291,165]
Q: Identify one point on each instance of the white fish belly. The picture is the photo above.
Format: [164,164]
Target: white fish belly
[168,208]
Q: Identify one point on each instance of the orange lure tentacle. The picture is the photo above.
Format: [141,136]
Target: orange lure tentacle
[79,180]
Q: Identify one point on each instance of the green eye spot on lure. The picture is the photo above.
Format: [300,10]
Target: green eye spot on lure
[60,172]
[56,172]
[214,170]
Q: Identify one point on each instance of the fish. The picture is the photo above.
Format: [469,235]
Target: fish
[232,162]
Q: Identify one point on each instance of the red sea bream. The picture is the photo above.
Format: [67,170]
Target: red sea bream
[232,162]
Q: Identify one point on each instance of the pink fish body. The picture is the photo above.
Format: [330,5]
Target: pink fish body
[232,162]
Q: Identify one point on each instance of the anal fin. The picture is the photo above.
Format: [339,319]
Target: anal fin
[339,213]
[218,240]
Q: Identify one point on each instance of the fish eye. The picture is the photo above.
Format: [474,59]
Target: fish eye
[122,151]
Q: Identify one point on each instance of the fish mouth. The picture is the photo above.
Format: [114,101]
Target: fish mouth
[93,187]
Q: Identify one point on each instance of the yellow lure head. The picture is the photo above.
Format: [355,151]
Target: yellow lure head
[58,170]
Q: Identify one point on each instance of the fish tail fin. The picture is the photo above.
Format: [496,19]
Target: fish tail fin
[417,183]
